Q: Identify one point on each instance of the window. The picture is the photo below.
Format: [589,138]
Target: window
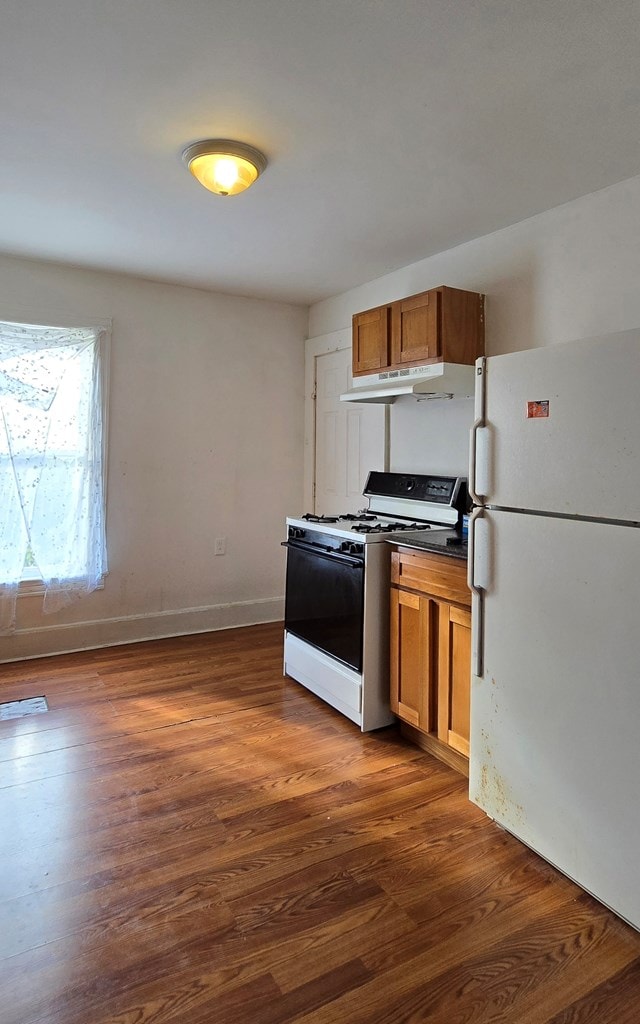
[52,462]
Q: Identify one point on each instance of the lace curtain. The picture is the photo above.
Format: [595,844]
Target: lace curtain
[51,463]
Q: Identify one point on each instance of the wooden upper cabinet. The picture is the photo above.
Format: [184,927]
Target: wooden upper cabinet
[442,324]
[415,337]
[461,326]
[370,336]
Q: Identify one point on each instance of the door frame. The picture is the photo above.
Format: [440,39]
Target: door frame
[322,345]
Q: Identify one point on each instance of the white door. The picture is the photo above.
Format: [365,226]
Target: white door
[350,439]
[555,757]
[563,429]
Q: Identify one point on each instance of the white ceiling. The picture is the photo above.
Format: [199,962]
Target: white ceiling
[394,129]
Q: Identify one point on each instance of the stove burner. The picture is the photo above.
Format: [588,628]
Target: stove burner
[390,527]
[309,517]
[355,517]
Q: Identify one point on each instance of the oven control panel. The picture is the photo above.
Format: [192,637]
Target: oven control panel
[441,490]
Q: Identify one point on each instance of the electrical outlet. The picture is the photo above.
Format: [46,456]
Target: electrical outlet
[220,546]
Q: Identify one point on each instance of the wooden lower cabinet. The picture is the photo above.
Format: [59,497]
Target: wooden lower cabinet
[431,652]
[454,676]
[412,690]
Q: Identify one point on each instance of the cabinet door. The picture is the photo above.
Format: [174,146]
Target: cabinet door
[370,335]
[454,676]
[415,335]
[412,684]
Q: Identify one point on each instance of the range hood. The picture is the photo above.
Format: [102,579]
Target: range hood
[436,380]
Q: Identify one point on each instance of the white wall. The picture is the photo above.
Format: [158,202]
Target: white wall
[207,408]
[205,440]
[568,273]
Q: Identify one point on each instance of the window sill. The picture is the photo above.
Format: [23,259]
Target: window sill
[34,587]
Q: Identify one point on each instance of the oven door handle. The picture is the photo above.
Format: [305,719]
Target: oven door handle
[328,553]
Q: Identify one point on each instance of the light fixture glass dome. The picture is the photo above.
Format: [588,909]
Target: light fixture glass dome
[223,166]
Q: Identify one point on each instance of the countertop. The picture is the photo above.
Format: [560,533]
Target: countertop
[436,542]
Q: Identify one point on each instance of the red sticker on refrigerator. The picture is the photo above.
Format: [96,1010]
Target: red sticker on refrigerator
[537,410]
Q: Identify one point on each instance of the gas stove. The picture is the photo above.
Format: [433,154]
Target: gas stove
[369,529]
[398,503]
[392,526]
[337,589]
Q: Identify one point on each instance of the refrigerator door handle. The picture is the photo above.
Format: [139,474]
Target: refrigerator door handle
[479,485]
[472,473]
[476,475]
[478,579]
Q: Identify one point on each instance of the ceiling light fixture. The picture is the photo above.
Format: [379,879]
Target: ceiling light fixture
[223,166]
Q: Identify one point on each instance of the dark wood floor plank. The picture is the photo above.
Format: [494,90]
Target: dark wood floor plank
[604,997]
[54,912]
[194,838]
[79,855]
[357,931]
[410,966]
[354,764]
[85,979]
[57,721]
[503,982]
[238,960]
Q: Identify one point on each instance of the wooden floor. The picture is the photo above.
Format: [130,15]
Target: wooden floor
[188,837]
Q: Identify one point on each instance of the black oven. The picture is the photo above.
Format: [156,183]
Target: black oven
[324,597]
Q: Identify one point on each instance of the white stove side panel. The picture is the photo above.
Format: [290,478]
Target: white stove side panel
[376,712]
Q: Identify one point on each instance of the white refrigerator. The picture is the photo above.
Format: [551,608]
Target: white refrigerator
[554,565]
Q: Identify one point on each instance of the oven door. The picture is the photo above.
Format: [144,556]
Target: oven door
[324,601]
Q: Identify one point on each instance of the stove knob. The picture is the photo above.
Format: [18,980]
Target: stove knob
[349,547]
[296,532]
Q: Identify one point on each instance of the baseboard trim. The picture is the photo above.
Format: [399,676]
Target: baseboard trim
[68,638]
[432,745]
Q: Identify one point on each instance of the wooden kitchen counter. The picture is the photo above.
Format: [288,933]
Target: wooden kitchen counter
[425,540]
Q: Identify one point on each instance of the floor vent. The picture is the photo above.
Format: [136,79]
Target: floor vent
[20,708]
